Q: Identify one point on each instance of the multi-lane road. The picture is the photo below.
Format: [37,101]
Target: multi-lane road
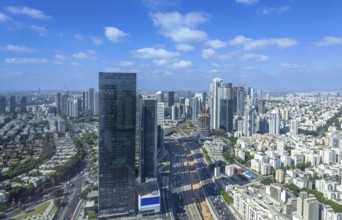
[183,199]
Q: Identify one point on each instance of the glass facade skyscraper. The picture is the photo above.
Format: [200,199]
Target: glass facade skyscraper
[117,121]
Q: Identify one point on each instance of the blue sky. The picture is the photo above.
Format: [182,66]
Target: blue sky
[273,45]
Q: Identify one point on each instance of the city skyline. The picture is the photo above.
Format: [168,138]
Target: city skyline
[275,46]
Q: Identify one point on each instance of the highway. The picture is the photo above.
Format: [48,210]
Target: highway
[183,199]
[209,187]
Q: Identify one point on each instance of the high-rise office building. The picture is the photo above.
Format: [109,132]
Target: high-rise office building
[294,127]
[202,96]
[117,124]
[160,96]
[239,98]
[84,108]
[215,103]
[171,98]
[203,123]
[64,103]
[148,140]
[86,101]
[226,115]
[175,112]
[221,108]
[195,107]
[249,121]
[96,104]
[274,123]
[58,102]
[12,104]
[2,105]
[261,107]
[91,105]
[23,104]
[160,122]
[307,207]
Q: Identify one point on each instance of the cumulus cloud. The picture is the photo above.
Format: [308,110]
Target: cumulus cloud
[181,28]
[277,11]
[60,57]
[247,2]
[216,44]
[30,12]
[158,4]
[114,34]
[184,47]
[252,44]
[39,29]
[255,57]
[19,49]
[96,40]
[16,60]
[78,36]
[208,53]
[126,63]
[181,64]
[329,41]
[152,53]
[83,55]
[4,17]
[294,67]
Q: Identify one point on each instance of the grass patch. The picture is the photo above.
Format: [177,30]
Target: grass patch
[227,198]
[40,209]
[53,211]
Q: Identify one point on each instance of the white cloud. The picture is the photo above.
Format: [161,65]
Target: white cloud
[39,29]
[96,40]
[16,60]
[208,53]
[91,52]
[216,44]
[251,44]
[60,57]
[83,55]
[79,36]
[277,11]
[184,47]
[255,57]
[213,70]
[114,34]
[157,4]
[329,41]
[152,53]
[31,12]
[19,49]
[126,63]
[181,64]
[247,2]
[215,65]
[181,28]
[4,17]
[74,64]
[293,66]
[184,34]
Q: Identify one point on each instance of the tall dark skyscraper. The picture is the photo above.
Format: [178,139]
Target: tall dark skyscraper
[148,139]
[23,104]
[117,123]
[91,102]
[64,103]
[58,102]
[84,108]
[2,104]
[171,98]
[226,114]
[12,103]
